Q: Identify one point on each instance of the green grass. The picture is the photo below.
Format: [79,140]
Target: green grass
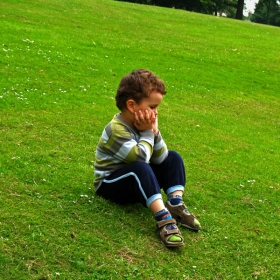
[60,65]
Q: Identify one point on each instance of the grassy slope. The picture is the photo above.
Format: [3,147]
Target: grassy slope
[60,66]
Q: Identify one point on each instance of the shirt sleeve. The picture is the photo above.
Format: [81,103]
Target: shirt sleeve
[160,150]
[124,148]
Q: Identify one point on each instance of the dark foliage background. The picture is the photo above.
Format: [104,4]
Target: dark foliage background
[266,11]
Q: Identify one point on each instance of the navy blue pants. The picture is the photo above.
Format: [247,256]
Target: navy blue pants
[142,182]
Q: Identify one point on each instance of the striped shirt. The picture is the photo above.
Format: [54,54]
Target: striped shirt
[121,144]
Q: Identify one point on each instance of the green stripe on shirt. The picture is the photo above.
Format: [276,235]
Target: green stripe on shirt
[121,144]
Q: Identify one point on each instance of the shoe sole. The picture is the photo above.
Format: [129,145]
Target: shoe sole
[187,226]
[173,246]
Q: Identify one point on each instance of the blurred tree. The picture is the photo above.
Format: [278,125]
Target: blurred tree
[227,7]
[239,10]
[267,12]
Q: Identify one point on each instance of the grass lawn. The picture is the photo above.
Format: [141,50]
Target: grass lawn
[60,65]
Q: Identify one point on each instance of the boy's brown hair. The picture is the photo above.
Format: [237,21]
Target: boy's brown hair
[137,85]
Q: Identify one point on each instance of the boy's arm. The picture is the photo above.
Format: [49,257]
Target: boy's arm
[141,150]
[160,150]
[122,146]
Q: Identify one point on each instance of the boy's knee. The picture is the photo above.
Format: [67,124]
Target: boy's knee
[174,156]
[141,167]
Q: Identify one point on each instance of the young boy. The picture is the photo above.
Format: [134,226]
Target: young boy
[133,163]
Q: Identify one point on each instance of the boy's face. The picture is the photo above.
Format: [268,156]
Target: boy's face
[151,103]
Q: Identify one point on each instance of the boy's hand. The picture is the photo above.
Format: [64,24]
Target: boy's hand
[144,120]
[155,125]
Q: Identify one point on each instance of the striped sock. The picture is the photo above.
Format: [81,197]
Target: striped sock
[162,215]
[175,199]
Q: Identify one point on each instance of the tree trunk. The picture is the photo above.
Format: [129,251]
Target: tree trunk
[268,11]
[239,11]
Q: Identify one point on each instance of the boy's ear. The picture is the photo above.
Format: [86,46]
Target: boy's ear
[130,104]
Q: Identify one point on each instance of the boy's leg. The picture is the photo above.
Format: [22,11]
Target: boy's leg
[137,183]
[171,177]
[171,173]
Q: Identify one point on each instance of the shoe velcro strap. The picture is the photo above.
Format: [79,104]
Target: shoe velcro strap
[170,231]
[163,223]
